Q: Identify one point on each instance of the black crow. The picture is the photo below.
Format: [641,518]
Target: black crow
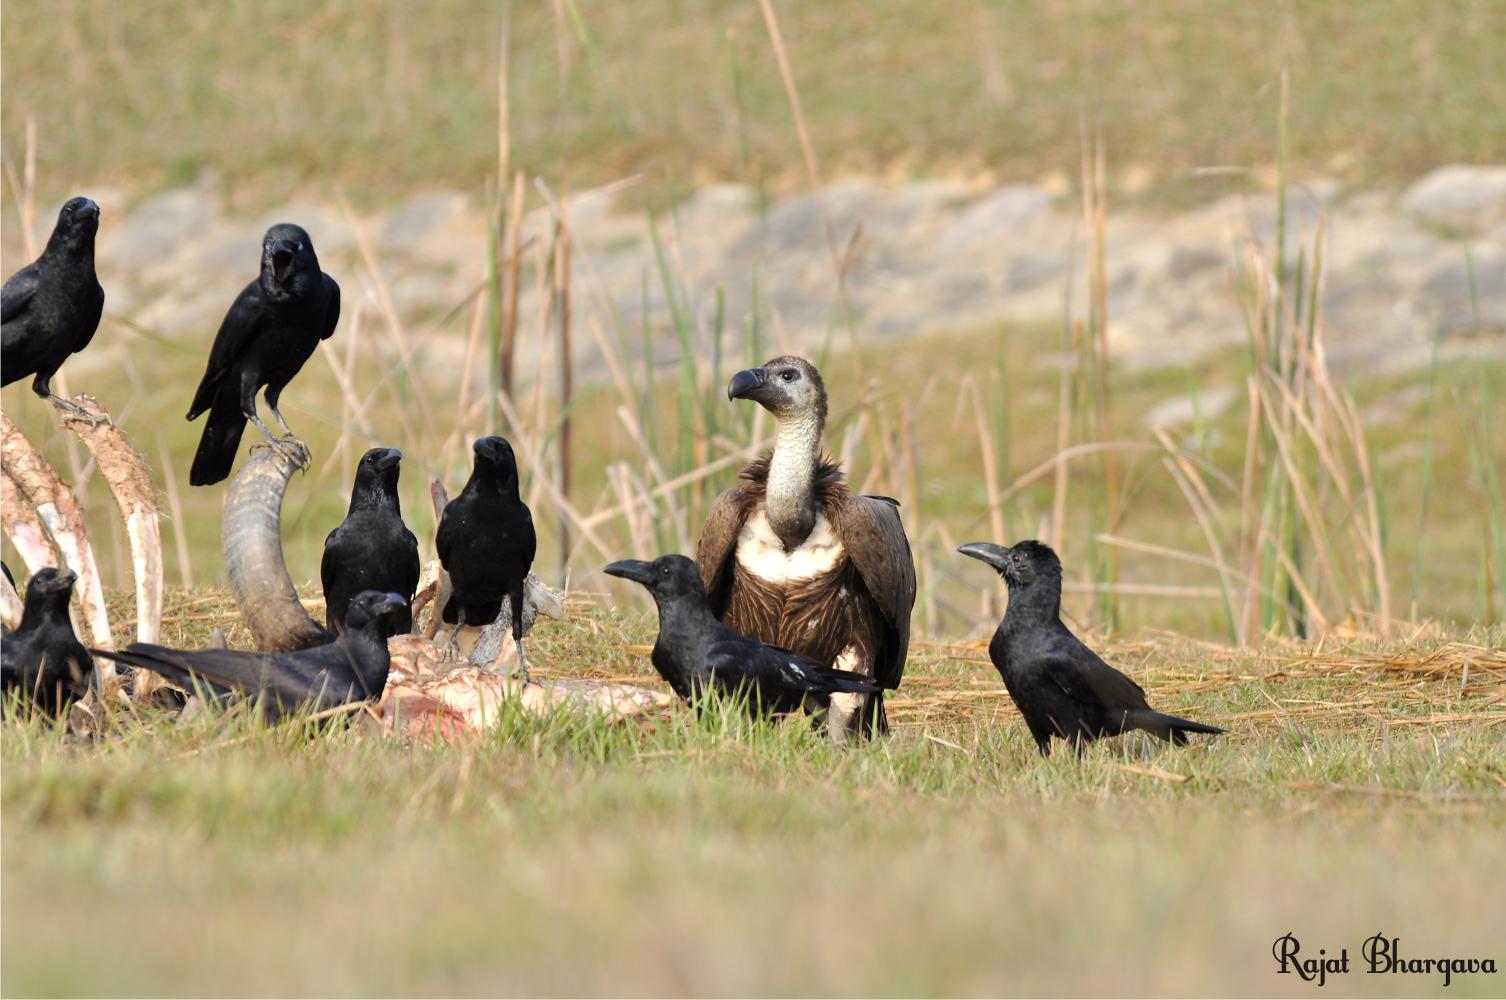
[694,651]
[51,307]
[350,669]
[1059,685]
[42,658]
[486,543]
[269,332]
[372,549]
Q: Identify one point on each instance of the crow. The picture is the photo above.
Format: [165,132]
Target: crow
[350,669]
[695,652]
[1059,685]
[43,659]
[486,543]
[372,549]
[270,331]
[51,307]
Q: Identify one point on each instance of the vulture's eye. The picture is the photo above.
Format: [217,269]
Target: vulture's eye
[788,375]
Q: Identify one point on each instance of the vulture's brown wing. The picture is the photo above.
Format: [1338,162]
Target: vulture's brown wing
[874,537]
[715,552]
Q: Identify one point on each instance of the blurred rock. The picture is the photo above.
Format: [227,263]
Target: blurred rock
[913,258]
[1463,196]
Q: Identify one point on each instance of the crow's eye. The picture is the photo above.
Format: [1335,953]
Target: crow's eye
[300,247]
[664,571]
[787,375]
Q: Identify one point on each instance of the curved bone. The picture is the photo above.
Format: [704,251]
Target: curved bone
[10,604]
[125,472]
[24,527]
[62,521]
[251,537]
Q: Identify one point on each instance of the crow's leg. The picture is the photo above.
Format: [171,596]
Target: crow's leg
[287,431]
[450,643]
[42,387]
[515,606]
[522,663]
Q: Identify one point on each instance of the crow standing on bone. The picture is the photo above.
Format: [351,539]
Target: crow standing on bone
[1060,686]
[486,544]
[793,558]
[271,329]
[372,549]
[51,307]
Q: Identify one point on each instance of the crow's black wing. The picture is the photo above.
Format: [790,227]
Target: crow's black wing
[331,307]
[1086,678]
[91,321]
[18,291]
[236,333]
[776,670]
[289,679]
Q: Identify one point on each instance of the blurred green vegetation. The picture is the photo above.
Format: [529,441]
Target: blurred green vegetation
[383,97]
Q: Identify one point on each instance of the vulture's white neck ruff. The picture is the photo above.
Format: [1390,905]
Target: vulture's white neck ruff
[792,471]
[761,552]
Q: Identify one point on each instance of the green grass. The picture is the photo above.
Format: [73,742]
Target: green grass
[561,855]
[385,98]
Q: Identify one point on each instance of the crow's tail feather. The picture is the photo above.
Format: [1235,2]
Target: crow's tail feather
[1170,727]
[220,441]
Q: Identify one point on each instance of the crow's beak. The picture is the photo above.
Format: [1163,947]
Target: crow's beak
[391,603]
[64,579]
[996,556]
[745,383]
[493,449]
[282,258]
[88,210]
[631,569]
[388,460]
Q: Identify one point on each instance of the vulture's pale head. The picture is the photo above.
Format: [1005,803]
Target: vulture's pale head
[786,386]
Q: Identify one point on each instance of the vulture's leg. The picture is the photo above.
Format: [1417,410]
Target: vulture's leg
[847,708]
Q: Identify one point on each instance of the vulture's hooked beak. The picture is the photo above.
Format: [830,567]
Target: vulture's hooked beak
[631,569]
[745,383]
[997,556]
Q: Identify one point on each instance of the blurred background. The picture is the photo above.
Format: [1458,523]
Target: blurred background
[1211,295]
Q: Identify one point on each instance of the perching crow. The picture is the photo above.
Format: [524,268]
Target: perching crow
[42,658]
[372,549]
[269,332]
[51,307]
[694,651]
[486,543]
[1060,686]
[350,669]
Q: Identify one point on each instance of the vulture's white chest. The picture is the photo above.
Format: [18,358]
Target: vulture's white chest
[760,552]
